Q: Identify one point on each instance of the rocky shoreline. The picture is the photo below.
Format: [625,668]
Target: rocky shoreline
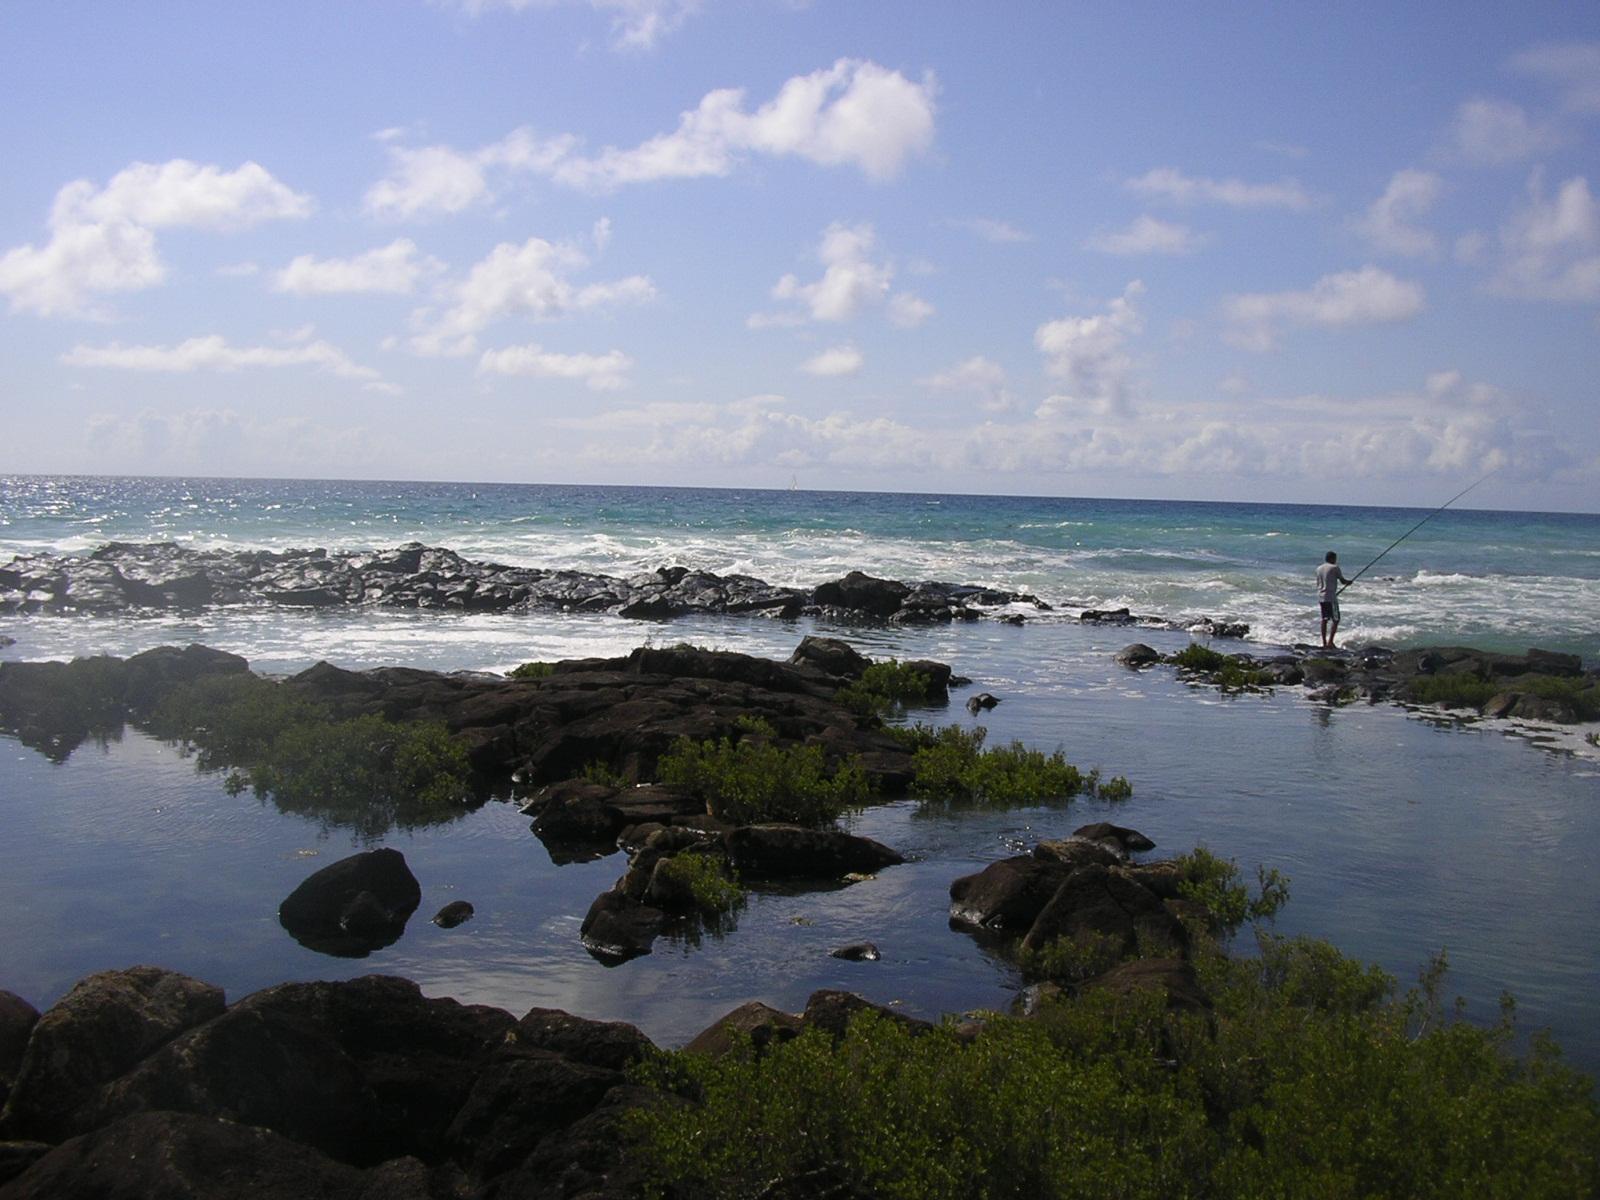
[125,576]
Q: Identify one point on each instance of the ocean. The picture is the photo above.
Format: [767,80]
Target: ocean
[1403,833]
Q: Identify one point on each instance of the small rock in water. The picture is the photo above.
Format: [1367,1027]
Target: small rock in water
[981,701]
[453,914]
[857,952]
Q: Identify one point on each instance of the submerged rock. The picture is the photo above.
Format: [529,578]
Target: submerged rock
[453,914]
[354,906]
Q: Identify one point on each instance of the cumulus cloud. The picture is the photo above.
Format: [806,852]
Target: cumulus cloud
[1550,248]
[851,282]
[1488,132]
[1572,67]
[214,353]
[853,114]
[837,360]
[102,240]
[635,24]
[1147,235]
[1090,355]
[601,372]
[1173,186]
[1363,297]
[214,440]
[1390,222]
[976,376]
[532,280]
[395,269]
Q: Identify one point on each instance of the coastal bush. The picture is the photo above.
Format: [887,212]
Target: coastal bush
[927,737]
[1230,672]
[886,686]
[1307,1079]
[748,782]
[602,773]
[366,773]
[1195,657]
[1072,960]
[1115,788]
[532,670]
[1459,690]
[1213,883]
[952,767]
[705,879]
[1582,694]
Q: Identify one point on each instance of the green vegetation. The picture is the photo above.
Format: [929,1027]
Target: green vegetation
[1213,883]
[603,774]
[1073,960]
[366,773]
[1230,672]
[950,766]
[705,879]
[1115,788]
[751,781]
[1466,689]
[532,670]
[1460,690]
[1307,1079]
[888,686]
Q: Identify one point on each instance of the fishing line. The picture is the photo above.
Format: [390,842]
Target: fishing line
[1413,529]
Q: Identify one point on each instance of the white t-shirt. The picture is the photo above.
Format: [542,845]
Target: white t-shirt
[1329,577]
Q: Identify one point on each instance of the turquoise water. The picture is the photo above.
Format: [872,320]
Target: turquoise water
[1496,579]
[1402,835]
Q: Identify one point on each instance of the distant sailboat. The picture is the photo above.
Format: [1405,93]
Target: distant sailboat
[794,483]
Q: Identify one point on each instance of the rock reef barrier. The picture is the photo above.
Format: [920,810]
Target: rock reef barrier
[128,576]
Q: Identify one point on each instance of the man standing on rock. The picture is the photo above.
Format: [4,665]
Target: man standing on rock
[1329,577]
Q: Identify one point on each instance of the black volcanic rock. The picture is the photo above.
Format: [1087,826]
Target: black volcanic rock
[354,906]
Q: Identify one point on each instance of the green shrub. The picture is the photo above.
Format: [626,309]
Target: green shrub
[1304,1082]
[1071,960]
[1213,883]
[886,686]
[704,878]
[1201,659]
[749,726]
[1460,690]
[1583,695]
[926,737]
[366,773]
[603,774]
[1115,788]
[749,782]
[532,670]
[951,767]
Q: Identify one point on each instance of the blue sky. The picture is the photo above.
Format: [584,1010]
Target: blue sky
[1278,251]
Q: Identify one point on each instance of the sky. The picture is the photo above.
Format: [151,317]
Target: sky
[1337,253]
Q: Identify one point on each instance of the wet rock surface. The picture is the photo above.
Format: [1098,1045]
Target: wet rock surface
[354,906]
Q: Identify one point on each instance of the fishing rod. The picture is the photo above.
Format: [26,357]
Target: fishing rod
[1413,529]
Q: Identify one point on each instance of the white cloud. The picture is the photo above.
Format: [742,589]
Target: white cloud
[1147,235]
[395,269]
[222,440]
[838,360]
[1172,185]
[991,230]
[1390,221]
[854,113]
[1550,248]
[602,372]
[1362,297]
[977,376]
[908,310]
[1495,132]
[1090,354]
[635,24]
[530,280]
[214,353]
[850,281]
[1573,67]
[101,241]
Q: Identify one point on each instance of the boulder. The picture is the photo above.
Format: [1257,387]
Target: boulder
[1137,655]
[182,1156]
[793,852]
[98,1031]
[1076,851]
[980,702]
[1129,841]
[831,1011]
[862,593]
[1104,903]
[17,1019]
[618,927]
[831,656]
[857,952]
[154,673]
[354,906]
[613,1045]
[1007,895]
[453,914]
[762,1024]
